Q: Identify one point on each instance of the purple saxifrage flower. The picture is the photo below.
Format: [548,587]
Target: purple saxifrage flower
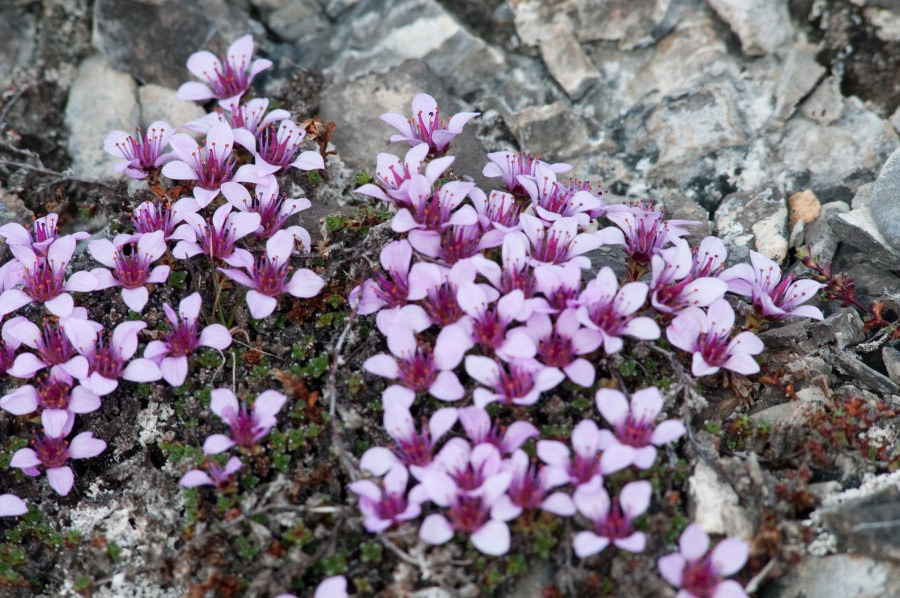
[552,199]
[51,392]
[674,285]
[412,448]
[612,521]
[587,463]
[208,165]
[426,125]
[12,506]
[225,80]
[646,231]
[142,154]
[152,216]
[215,475]
[274,209]
[392,175]
[697,574]
[45,231]
[245,121]
[132,269]
[487,322]
[276,148]
[477,424]
[183,338]
[387,506]
[391,286]
[707,335]
[44,279]
[559,243]
[429,213]
[530,489]
[560,344]
[102,361]
[217,238]
[634,424]
[518,382]
[510,166]
[50,341]
[605,307]
[418,369]
[267,276]
[774,297]
[52,451]
[247,427]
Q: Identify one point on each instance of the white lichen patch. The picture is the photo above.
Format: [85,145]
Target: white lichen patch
[149,420]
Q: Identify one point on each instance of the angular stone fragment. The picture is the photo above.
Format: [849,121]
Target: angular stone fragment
[567,62]
[798,77]
[762,26]
[885,201]
[629,22]
[161,103]
[551,130]
[859,228]
[754,220]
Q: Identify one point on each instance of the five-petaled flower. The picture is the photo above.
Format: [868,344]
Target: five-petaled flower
[387,506]
[225,80]
[426,125]
[216,475]
[143,153]
[248,427]
[774,297]
[131,258]
[612,521]
[634,424]
[698,574]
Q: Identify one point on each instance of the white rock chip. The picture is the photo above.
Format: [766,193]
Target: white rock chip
[160,103]
[715,505]
[101,100]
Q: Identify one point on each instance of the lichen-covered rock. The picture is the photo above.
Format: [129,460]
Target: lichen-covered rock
[755,221]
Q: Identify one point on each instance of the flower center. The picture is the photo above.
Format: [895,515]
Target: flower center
[418,372]
[53,452]
[468,514]
[183,339]
[53,393]
[45,281]
[269,277]
[54,347]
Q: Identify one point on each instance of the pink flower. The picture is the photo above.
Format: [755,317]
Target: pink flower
[510,166]
[553,200]
[51,343]
[217,476]
[455,243]
[274,209]
[208,165]
[519,382]
[225,80]
[507,439]
[774,298]
[467,512]
[247,427]
[427,213]
[487,322]
[698,574]
[44,279]
[12,506]
[560,344]
[612,521]
[142,155]
[412,448]
[52,451]
[559,285]
[708,337]
[183,338]
[45,232]
[392,175]
[646,232]
[276,146]
[217,238]
[387,506]
[131,269]
[102,361]
[560,243]
[498,213]
[530,489]
[439,287]
[426,125]
[53,392]
[587,462]
[390,287]
[603,306]
[267,276]
[418,369]
[245,121]
[513,272]
[152,216]
[634,424]
[675,285]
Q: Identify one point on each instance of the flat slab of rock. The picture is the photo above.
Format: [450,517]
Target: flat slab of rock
[840,575]
[885,201]
[762,26]
[860,228]
[567,61]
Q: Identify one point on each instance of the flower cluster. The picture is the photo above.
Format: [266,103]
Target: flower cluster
[220,204]
[495,299]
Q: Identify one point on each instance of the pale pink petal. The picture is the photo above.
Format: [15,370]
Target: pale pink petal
[492,538]
[196,477]
[217,443]
[435,530]
[671,567]
[613,405]
[693,542]
[587,544]
[85,446]
[729,556]
[215,336]
[61,479]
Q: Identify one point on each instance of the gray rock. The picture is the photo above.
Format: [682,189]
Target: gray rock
[715,505]
[819,235]
[860,229]
[679,206]
[891,358]
[17,40]
[826,104]
[863,195]
[868,525]
[864,375]
[885,200]
[298,20]
[179,29]
[160,103]
[466,63]
[838,575]
[102,99]
[567,62]
[12,209]
[550,130]
[392,92]
[754,220]
[629,22]
[844,328]
[792,413]
[798,77]
[761,26]
[851,147]
[873,280]
[696,125]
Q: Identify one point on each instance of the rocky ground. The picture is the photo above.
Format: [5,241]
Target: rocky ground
[774,123]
